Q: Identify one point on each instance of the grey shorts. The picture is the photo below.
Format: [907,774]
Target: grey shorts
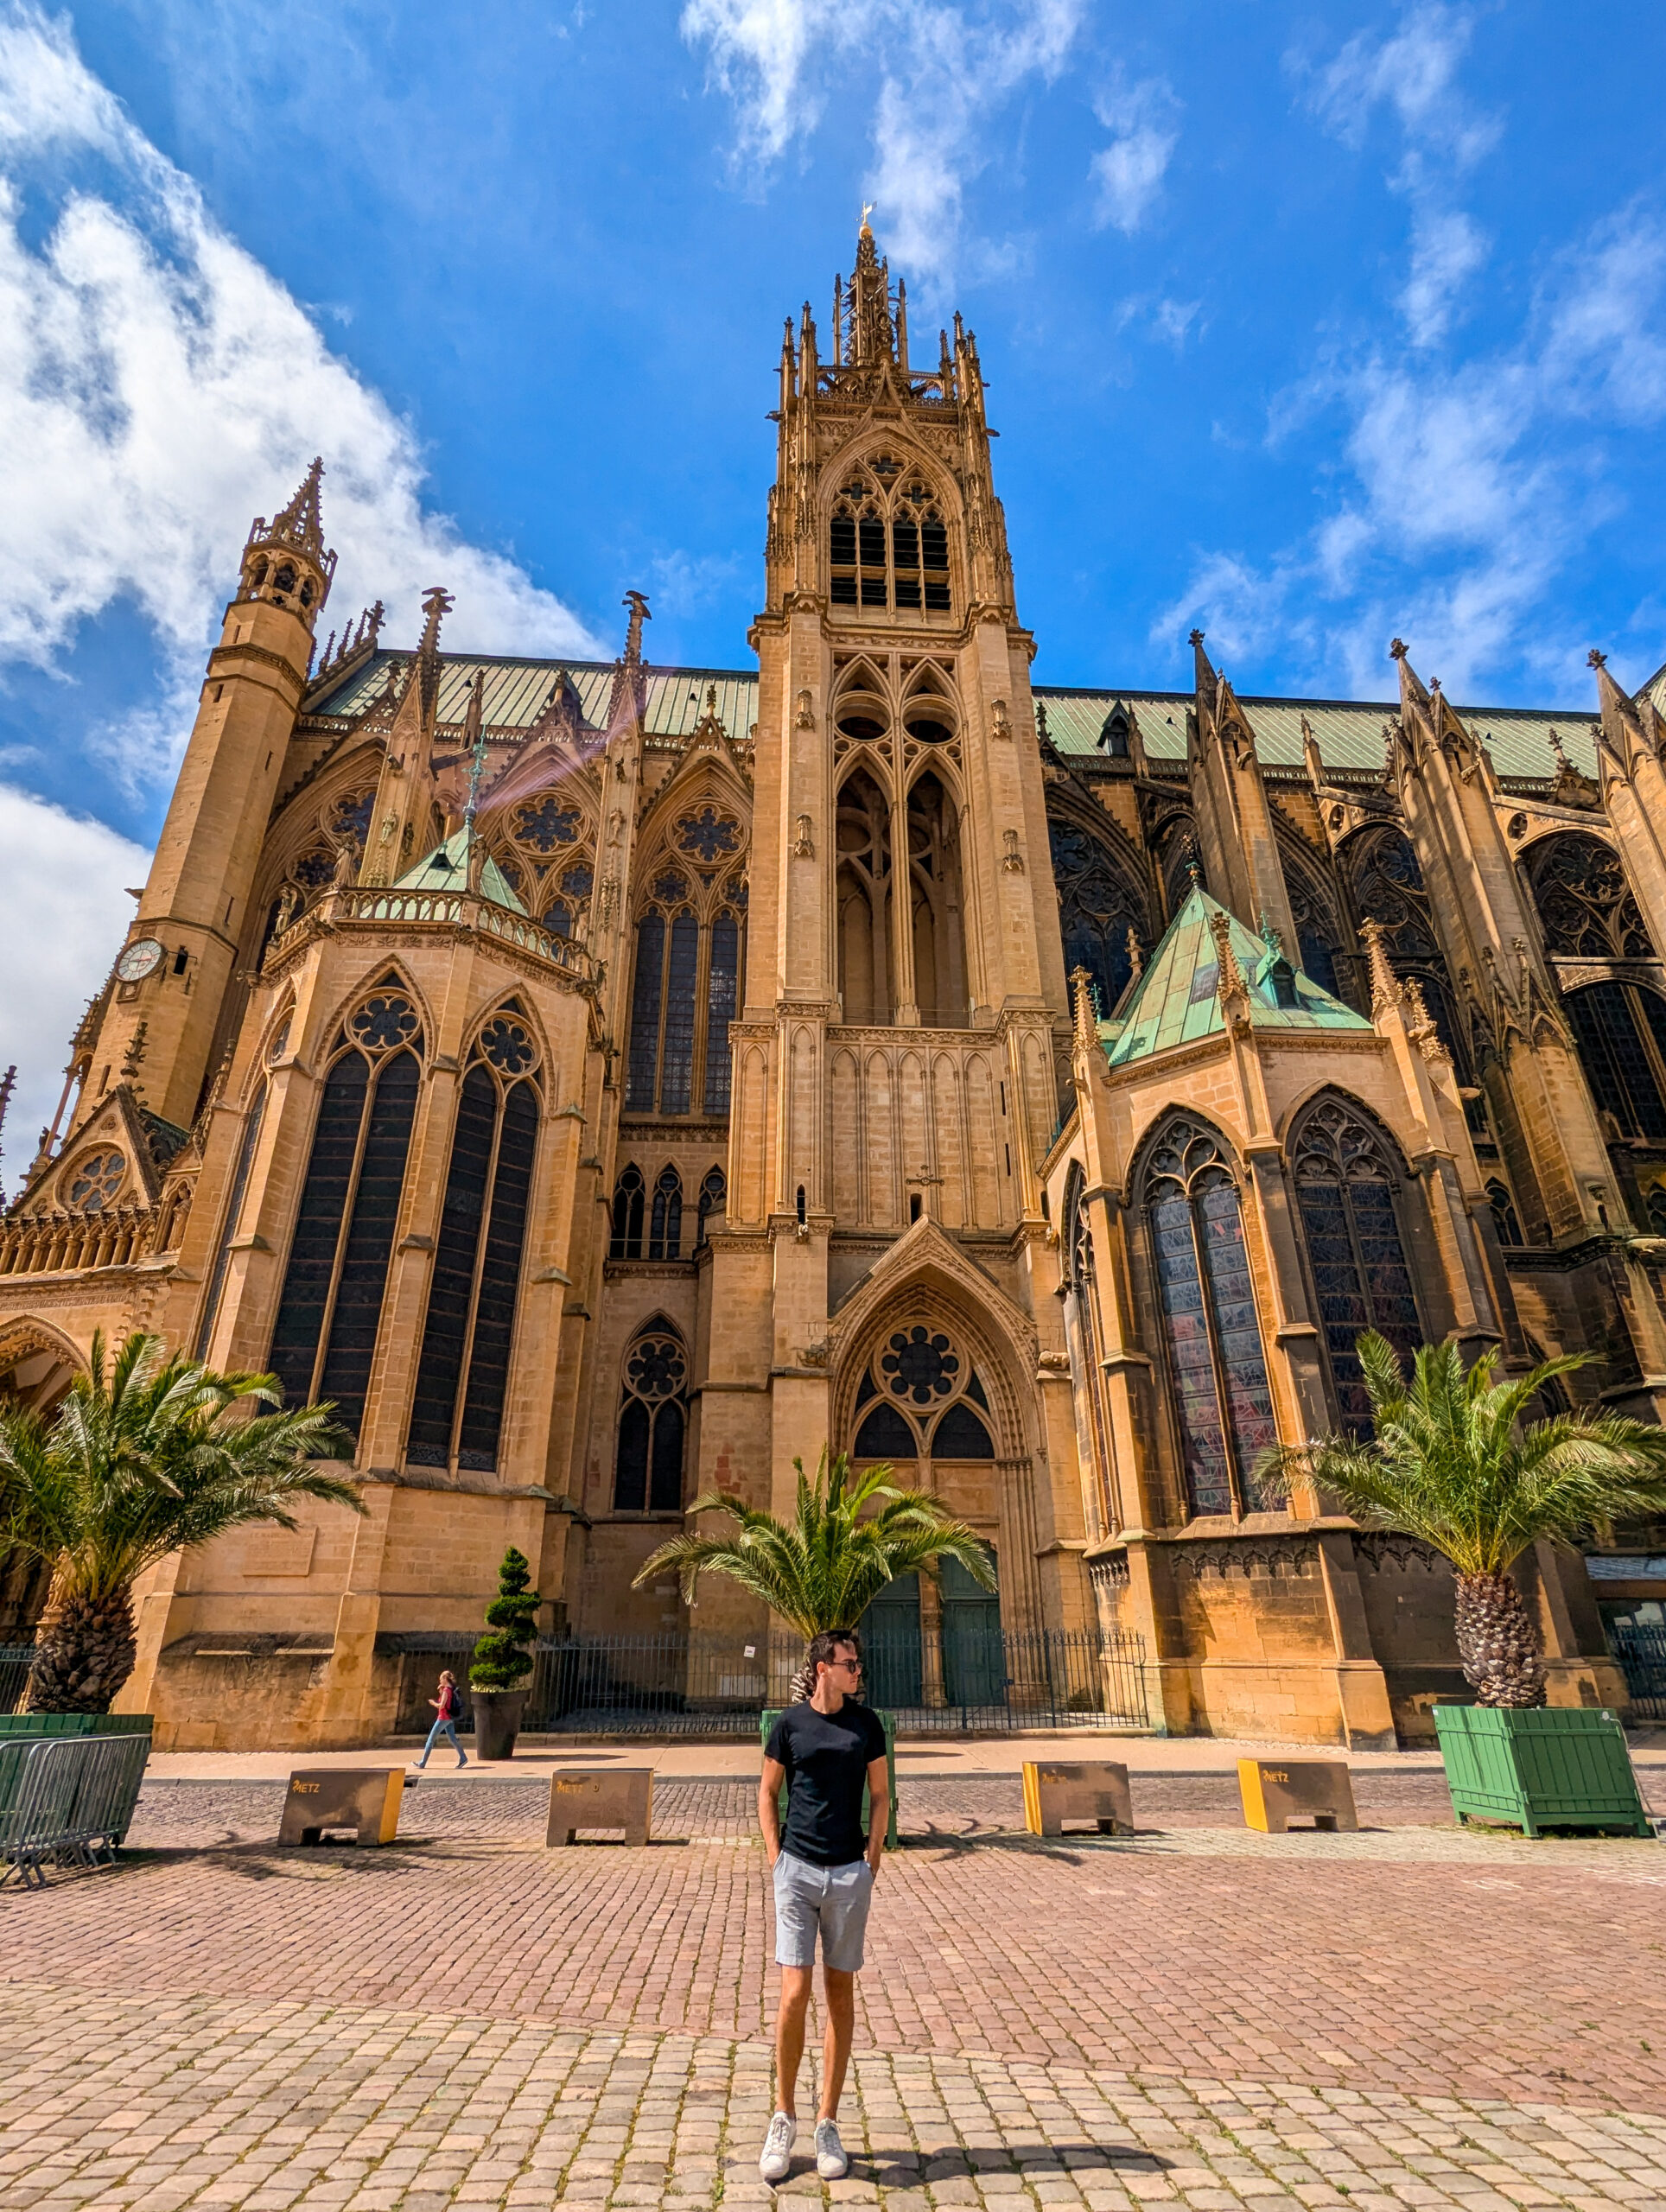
[834,1899]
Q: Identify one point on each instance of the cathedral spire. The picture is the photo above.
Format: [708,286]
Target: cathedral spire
[436,604]
[872,335]
[286,560]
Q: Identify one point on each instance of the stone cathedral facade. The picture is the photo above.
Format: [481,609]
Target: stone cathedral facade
[609,1083]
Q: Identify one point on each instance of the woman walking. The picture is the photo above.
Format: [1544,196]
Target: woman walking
[448,1705]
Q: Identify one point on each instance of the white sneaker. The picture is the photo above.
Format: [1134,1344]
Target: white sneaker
[831,2163]
[776,2160]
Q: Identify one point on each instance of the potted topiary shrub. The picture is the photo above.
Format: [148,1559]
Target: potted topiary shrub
[1453,1461]
[500,1673]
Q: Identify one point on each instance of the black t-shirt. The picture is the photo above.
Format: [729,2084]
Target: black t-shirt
[826,1756]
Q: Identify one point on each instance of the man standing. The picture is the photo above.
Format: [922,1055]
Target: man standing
[824,1750]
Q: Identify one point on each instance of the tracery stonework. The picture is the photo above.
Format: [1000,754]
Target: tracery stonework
[609,1082]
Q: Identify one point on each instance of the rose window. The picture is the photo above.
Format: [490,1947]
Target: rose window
[655,1369]
[506,1045]
[920,1365]
[707,834]
[383,1022]
[96,1180]
[547,824]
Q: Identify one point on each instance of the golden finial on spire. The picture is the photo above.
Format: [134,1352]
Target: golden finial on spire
[867,207]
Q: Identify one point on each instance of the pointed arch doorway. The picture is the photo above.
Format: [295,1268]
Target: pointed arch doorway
[932,1645]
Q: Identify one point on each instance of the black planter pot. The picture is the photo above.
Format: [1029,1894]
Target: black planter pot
[497,1721]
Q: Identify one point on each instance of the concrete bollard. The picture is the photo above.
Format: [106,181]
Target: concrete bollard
[1091,1790]
[365,1799]
[600,1797]
[1278,1791]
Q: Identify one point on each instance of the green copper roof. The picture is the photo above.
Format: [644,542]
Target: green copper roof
[1177,999]
[446,869]
[1349,732]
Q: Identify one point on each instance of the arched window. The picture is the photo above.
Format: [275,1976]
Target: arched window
[1656,1210]
[916,573]
[1621,1032]
[934,889]
[1388,887]
[629,1198]
[652,1425]
[720,991]
[714,1197]
[688,978]
[1081,1341]
[917,1401]
[463,1370]
[1345,1180]
[1319,933]
[1584,902]
[665,1224]
[863,836]
[1221,1399]
[1506,1218]
[331,1305]
[1099,911]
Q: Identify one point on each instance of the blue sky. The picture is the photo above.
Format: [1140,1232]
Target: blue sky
[1312,324]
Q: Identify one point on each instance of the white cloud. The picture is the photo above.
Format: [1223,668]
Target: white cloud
[688,583]
[63,897]
[1172,322]
[1144,122]
[1447,250]
[1414,72]
[943,73]
[1458,506]
[159,387]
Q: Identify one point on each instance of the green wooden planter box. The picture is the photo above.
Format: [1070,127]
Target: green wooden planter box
[74,1724]
[887,1721]
[1541,1767]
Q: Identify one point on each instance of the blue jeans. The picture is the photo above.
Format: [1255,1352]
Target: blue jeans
[443,1726]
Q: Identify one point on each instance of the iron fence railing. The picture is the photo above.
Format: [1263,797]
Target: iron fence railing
[16,1660]
[714,1684]
[1641,1651]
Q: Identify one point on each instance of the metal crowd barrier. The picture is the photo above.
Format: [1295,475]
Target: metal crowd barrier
[66,1801]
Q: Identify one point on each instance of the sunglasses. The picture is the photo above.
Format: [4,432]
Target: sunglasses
[850,1666]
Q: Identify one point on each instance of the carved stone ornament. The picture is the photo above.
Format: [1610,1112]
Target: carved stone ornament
[803,847]
[1000,720]
[1012,860]
[806,718]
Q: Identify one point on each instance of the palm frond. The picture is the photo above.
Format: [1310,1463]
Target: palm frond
[1453,1461]
[823,1567]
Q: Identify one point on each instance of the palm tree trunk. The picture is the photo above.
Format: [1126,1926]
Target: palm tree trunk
[1497,1642]
[84,1651]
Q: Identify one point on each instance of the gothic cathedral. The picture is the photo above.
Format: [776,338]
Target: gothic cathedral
[609,1083]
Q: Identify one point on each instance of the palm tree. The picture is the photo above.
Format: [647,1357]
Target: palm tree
[824,1567]
[1453,1463]
[139,1461]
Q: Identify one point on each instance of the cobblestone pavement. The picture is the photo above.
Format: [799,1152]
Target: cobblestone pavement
[1414,2015]
[109,2101]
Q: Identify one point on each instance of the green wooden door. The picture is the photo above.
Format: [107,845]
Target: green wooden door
[974,1656]
[890,1642]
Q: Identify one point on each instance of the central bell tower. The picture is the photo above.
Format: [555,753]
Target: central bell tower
[906,1008]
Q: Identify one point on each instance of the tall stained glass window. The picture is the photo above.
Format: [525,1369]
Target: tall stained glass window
[324,1338]
[1223,1400]
[1344,1179]
[652,1425]
[689,959]
[463,1370]
[1621,1032]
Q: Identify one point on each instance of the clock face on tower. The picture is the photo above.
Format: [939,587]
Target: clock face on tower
[139,960]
